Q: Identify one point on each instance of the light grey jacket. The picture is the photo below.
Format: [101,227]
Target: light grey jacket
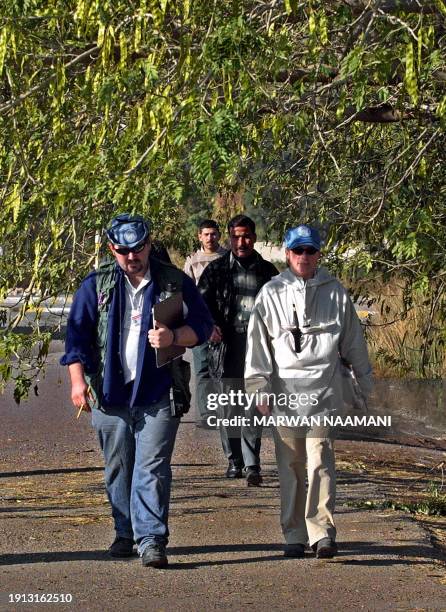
[330,330]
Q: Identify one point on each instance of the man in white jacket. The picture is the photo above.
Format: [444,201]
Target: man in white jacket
[302,324]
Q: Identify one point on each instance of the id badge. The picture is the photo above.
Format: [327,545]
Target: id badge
[135,318]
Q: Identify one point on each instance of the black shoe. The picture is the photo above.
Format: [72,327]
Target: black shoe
[154,555]
[234,471]
[325,548]
[294,551]
[253,477]
[121,547]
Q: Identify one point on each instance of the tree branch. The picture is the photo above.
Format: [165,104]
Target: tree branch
[16,101]
[377,114]
[392,6]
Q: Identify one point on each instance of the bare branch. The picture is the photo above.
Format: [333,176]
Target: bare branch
[392,6]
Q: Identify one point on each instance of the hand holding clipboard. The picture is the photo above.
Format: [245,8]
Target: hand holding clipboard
[167,315]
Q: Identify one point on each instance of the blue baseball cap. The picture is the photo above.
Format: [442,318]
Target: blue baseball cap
[302,235]
[128,230]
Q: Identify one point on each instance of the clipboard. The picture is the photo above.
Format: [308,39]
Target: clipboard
[169,312]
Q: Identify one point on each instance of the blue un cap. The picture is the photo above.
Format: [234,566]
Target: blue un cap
[302,235]
[128,230]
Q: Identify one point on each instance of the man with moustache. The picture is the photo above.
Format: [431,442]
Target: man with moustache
[110,354]
[208,236]
[229,286]
[303,327]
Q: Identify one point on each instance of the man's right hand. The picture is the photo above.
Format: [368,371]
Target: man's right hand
[216,335]
[81,395]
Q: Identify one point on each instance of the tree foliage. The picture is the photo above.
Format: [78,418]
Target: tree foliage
[329,112]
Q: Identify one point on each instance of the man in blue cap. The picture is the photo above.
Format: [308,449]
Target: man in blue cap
[110,354]
[302,325]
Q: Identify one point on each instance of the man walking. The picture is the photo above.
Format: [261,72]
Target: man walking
[229,286]
[110,342]
[302,324]
[209,236]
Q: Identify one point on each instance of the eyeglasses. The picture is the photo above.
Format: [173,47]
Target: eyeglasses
[302,250]
[125,250]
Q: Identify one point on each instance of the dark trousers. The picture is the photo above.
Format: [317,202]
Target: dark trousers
[203,383]
[240,444]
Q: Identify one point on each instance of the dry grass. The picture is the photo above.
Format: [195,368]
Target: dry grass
[405,342]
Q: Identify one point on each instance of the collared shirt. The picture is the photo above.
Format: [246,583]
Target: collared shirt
[246,285]
[134,302]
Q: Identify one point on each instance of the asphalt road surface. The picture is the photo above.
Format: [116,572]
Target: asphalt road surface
[225,549]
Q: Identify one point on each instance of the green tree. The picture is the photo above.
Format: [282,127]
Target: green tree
[329,112]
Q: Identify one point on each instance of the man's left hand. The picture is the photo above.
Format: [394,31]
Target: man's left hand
[161,336]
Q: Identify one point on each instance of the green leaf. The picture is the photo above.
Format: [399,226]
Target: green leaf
[3,46]
[411,76]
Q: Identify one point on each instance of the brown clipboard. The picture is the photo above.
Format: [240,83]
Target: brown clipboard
[169,312]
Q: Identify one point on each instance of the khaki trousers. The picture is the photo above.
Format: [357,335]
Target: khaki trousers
[306,516]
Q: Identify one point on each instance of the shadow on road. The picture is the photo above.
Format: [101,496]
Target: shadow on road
[43,472]
[399,555]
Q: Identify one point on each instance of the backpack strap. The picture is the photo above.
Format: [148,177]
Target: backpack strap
[106,278]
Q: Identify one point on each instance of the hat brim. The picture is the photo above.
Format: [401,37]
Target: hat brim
[303,242]
[131,245]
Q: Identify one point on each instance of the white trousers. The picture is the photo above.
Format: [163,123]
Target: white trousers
[306,516]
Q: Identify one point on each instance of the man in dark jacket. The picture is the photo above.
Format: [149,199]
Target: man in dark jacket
[110,343]
[229,286]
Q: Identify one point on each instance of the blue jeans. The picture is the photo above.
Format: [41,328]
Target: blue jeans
[137,444]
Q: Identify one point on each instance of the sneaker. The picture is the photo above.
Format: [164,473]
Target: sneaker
[121,547]
[294,551]
[234,470]
[154,555]
[253,477]
[325,548]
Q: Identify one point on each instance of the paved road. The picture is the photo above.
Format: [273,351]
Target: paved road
[225,548]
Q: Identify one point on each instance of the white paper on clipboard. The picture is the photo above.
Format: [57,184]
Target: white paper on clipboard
[169,312]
